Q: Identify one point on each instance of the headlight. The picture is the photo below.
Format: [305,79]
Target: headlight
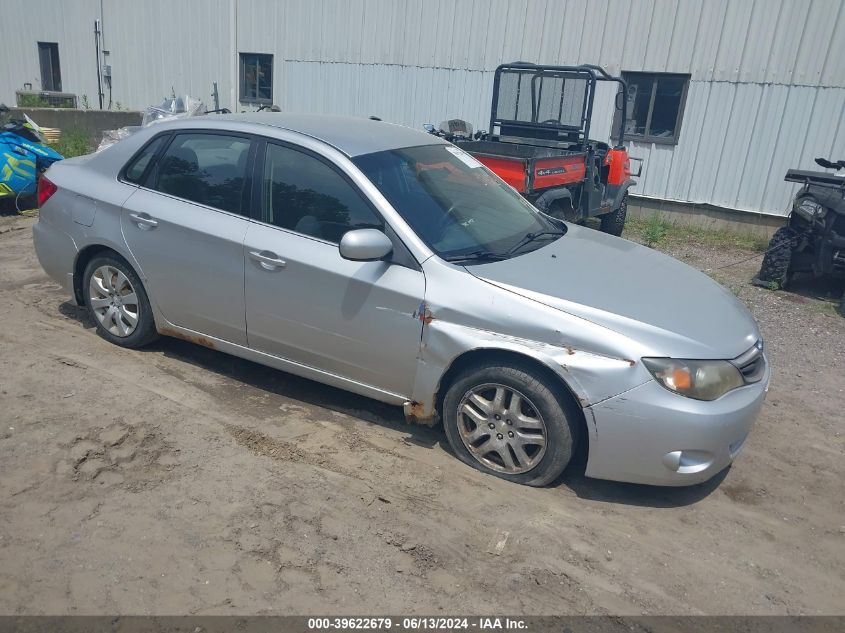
[699,379]
[809,209]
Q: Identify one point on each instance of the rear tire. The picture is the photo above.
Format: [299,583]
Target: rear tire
[613,223]
[117,302]
[774,271]
[534,430]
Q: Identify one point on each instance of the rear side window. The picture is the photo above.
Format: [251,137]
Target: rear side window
[304,194]
[209,169]
[135,170]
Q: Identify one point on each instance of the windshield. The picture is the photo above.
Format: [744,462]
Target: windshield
[456,205]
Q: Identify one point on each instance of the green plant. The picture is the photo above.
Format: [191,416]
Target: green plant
[679,233]
[85,104]
[32,101]
[773,285]
[72,143]
[654,231]
[38,101]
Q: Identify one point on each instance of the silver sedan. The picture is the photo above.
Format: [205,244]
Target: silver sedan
[387,262]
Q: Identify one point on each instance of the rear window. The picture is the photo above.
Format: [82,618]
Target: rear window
[532,96]
[206,168]
[135,170]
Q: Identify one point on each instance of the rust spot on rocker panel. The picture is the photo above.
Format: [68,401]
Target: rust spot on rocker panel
[199,340]
[416,414]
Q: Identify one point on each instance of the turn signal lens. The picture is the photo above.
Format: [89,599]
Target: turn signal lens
[682,379]
[699,379]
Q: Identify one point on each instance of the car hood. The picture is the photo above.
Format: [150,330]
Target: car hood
[667,307]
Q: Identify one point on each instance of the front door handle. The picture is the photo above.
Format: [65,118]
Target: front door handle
[267,260]
[143,221]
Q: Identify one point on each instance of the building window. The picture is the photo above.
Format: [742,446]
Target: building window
[256,78]
[51,75]
[655,106]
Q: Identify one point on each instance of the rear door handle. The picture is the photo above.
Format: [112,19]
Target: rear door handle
[267,260]
[143,220]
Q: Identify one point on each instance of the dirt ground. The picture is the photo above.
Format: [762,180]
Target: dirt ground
[181,480]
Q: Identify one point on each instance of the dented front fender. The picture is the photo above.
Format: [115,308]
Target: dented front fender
[459,318]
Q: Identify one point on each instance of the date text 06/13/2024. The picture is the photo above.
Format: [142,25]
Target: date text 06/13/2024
[417,623]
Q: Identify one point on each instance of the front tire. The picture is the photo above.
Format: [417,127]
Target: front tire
[118,303]
[507,420]
[613,223]
[774,271]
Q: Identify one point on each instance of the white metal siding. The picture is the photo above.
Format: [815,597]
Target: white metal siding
[70,24]
[767,87]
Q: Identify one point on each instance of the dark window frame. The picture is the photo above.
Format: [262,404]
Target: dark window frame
[242,65]
[51,81]
[648,138]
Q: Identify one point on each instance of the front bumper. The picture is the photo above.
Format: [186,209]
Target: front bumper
[650,435]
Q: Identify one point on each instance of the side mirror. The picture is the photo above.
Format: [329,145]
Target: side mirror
[365,245]
[619,97]
[428,127]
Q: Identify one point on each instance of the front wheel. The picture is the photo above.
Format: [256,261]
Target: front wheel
[614,222]
[508,421]
[774,271]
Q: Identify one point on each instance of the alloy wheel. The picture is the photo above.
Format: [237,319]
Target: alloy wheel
[501,428]
[113,301]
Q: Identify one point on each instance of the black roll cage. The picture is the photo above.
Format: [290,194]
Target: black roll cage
[590,72]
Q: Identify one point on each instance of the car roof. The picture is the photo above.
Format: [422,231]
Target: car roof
[352,136]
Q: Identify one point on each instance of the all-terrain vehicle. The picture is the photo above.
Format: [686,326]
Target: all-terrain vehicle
[813,240]
[539,142]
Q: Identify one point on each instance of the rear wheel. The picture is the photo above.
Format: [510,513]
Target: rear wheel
[507,421]
[118,302]
[774,271]
[614,222]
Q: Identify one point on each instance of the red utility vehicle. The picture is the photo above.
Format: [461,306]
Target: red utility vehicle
[539,142]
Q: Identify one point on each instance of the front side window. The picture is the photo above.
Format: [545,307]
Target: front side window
[655,106]
[306,195]
[256,78]
[206,168]
[456,205]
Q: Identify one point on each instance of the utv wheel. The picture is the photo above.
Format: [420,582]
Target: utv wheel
[508,421]
[118,302]
[614,222]
[774,271]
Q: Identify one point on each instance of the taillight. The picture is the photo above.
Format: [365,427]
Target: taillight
[45,189]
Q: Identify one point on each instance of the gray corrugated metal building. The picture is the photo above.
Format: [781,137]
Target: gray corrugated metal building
[735,91]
